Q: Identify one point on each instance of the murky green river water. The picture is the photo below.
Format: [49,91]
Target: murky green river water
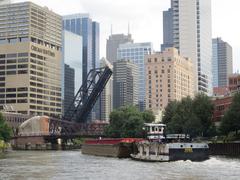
[67,165]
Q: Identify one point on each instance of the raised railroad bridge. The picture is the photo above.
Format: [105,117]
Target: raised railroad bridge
[75,121]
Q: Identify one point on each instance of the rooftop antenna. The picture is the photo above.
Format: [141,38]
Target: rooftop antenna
[111,29]
[128,28]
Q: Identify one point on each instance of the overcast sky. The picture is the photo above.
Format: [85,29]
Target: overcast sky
[145,19]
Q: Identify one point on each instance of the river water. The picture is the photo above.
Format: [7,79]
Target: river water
[67,165]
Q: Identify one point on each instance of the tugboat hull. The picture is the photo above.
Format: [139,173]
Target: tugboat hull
[188,151]
[158,152]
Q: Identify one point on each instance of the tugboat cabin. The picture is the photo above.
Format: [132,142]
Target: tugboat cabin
[154,131]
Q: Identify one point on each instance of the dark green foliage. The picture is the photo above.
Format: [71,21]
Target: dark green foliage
[203,109]
[148,116]
[5,130]
[231,119]
[170,110]
[190,116]
[128,122]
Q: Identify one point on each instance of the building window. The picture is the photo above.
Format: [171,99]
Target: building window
[23,95]
[11,55]
[22,101]
[22,72]
[23,54]
[12,101]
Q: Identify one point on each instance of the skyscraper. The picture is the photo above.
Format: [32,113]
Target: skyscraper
[68,86]
[106,97]
[83,25]
[125,88]
[169,77]
[222,65]
[191,32]
[113,43]
[72,55]
[167,29]
[30,59]
[135,52]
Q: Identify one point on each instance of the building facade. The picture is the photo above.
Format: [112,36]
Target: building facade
[113,43]
[72,55]
[221,105]
[135,52]
[2,2]
[106,97]
[30,59]
[14,120]
[191,32]
[83,25]
[169,77]
[125,87]
[69,76]
[167,29]
[234,83]
[222,65]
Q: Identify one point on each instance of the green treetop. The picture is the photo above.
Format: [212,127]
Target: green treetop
[5,130]
[128,122]
[231,119]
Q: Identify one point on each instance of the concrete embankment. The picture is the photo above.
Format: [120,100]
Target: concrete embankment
[47,146]
[228,149]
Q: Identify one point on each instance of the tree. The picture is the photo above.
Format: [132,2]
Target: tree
[170,111]
[185,117]
[203,109]
[231,119]
[5,130]
[128,122]
[148,116]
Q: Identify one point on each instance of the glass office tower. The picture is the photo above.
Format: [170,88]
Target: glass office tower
[135,52]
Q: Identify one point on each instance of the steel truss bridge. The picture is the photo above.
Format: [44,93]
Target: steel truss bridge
[75,121]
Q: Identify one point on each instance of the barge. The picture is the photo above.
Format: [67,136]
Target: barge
[119,147]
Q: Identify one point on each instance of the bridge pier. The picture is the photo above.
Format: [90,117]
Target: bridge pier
[34,143]
[43,143]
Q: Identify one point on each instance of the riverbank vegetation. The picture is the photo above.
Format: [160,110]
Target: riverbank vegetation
[231,119]
[5,130]
[190,116]
[128,122]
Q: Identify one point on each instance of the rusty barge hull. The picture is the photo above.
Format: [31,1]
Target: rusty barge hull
[121,148]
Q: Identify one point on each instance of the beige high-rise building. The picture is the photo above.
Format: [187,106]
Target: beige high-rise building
[106,96]
[30,59]
[168,77]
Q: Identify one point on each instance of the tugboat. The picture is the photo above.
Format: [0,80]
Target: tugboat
[159,147]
